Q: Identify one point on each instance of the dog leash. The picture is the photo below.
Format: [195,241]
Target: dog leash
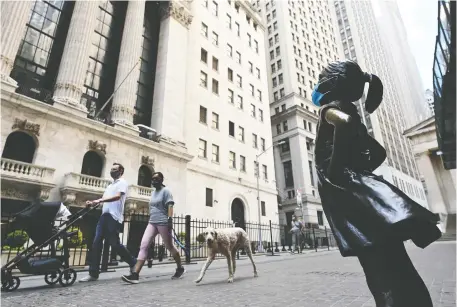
[182,246]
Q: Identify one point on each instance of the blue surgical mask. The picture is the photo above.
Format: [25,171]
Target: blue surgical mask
[316,97]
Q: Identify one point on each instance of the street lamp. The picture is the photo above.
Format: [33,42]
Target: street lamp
[258,190]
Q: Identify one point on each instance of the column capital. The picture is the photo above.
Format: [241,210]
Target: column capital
[179,10]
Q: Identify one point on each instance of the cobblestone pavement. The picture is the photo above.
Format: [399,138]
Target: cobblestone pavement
[315,279]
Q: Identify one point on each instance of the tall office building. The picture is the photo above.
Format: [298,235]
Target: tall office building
[191,102]
[361,40]
[299,43]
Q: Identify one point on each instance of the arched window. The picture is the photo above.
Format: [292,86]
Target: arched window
[92,164]
[144,176]
[19,146]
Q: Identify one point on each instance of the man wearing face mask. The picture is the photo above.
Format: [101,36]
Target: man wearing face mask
[160,221]
[110,222]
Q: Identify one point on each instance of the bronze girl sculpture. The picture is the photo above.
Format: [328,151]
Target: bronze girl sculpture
[370,217]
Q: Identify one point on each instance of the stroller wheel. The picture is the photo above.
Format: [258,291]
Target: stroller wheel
[67,277]
[52,278]
[11,284]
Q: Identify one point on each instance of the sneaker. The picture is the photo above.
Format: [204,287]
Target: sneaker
[132,278]
[88,278]
[179,273]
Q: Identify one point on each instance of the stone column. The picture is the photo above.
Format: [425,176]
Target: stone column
[14,15]
[170,83]
[123,107]
[73,66]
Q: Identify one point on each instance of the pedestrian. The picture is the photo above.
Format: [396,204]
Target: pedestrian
[296,231]
[160,222]
[110,223]
[370,218]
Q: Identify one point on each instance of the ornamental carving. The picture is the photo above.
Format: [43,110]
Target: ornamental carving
[44,193]
[178,12]
[69,86]
[97,146]
[68,198]
[146,160]
[26,126]
[14,194]
[7,61]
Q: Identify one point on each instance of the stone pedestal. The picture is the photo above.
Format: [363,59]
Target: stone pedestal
[70,80]
[14,15]
[170,82]
[123,107]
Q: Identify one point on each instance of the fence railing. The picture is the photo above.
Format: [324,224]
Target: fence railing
[268,238]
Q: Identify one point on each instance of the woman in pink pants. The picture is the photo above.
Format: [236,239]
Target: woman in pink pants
[160,222]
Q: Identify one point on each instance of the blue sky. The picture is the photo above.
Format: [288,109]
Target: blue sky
[420,19]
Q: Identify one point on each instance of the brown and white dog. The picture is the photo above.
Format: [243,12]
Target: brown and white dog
[226,241]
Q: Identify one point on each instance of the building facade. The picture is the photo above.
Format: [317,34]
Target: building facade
[439,182]
[190,100]
[299,43]
[430,101]
[361,40]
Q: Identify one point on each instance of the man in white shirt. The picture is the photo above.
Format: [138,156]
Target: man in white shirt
[110,223]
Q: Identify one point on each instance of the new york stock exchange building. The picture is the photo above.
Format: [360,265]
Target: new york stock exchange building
[172,110]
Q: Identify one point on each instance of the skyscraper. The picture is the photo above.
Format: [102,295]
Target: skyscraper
[299,43]
[361,39]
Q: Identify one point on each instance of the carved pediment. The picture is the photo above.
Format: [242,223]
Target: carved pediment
[26,126]
[97,146]
[146,160]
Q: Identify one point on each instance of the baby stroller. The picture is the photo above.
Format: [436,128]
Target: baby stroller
[38,221]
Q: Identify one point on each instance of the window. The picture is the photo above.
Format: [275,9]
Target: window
[249,40]
[215,39]
[209,197]
[276,38]
[229,21]
[205,3]
[284,125]
[215,9]
[215,87]
[283,107]
[237,28]
[203,79]
[261,115]
[265,172]
[243,163]
[215,64]
[232,160]
[286,146]
[230,96]
[202,149]
[259,95]
[203,115]
[273,68]
[272,55]
[278,51]
[257,73]
[230,74]
[231,129]
[239,81]
[276,96]
[320,218]
[278,128]
[215,121]
[310,127]
[239,102]
[254,140]
[204,56]
[279,64]
[275,82]
[280,79]
[256,46]
[262,206]
[251,89]
[215,153]
[311,172]
[241,134]
[262,144]
[229,50]
[275,25]
[276,110]
[204,30]
[304,125]
[238,57]
[282,93]
[252,110]
[270,42]
[251,67]
[288,174]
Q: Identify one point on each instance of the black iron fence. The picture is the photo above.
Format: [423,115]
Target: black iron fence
[267,238]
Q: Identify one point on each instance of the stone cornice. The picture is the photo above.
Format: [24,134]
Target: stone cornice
[51,113]
[232,179]
[292,111]
[179,10]
[250,10]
